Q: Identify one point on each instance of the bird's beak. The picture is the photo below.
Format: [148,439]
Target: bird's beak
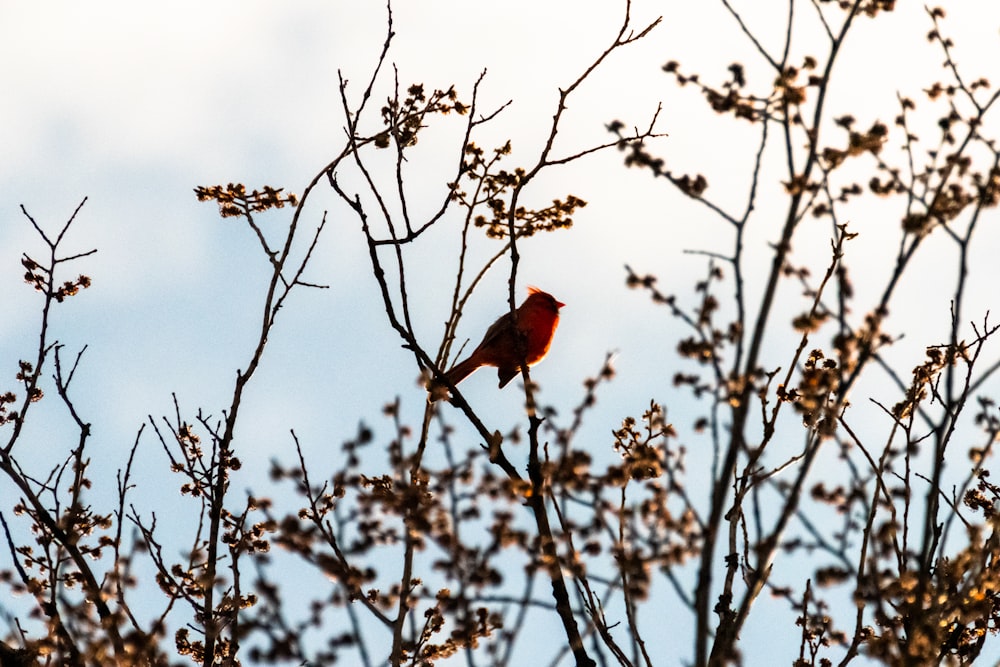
[559,304]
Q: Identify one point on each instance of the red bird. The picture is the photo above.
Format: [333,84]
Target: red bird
[502,347]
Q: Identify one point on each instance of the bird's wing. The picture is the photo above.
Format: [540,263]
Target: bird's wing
[497,330]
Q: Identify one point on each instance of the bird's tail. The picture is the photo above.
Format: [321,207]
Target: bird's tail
[458,372]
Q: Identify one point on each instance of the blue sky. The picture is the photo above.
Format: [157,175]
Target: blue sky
[133,106]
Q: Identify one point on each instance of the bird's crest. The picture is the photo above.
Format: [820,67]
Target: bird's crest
[534,290]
